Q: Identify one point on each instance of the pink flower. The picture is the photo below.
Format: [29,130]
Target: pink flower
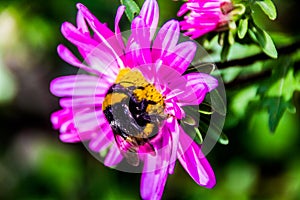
[204,16]
[131,99]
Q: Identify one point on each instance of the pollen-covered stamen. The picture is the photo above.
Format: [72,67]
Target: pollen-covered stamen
[133,107]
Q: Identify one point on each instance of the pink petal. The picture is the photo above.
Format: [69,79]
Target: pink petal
[122,144]
[69,57]
[174,109]
[103,62]
[102,139]
[190,91]
[106,32]
[166,39]
[200,83]
[78,85]
[181,56]
[77,125]
[151,73]
[146,148]
[173,126]
[105,35]
[81,24]
[180,94]
[79,39]
[69,137]
[153,183]
[138,46]
[99,143]
[92,50]
[195,79]
[83,28]
[59,117]
[70,134]
[162,76]
[173,86]
[150,15]
[63,120]
[88,119]
[204,16]
[194,162]
[114,156]
[183,9]
[81,102]
[155,171]
[118,34]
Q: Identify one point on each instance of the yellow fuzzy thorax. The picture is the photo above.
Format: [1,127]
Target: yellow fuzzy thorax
[144,90]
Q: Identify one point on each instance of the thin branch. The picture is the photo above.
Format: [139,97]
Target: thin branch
[251,78]
[258,57]
[243,81]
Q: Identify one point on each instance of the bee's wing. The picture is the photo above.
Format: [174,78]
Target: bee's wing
[201,67]
[128,150]
[132,158]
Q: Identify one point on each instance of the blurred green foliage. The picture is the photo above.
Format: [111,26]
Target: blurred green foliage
[256,164]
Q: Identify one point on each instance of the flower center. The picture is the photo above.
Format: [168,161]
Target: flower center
[133,107]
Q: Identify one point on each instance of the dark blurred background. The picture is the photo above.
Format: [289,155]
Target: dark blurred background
[35,164]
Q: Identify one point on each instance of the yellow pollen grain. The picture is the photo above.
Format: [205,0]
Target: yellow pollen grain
[122,74]
[144,90]
[148,129]
[149,92]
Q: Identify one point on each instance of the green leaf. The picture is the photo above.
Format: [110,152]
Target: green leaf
[218,103]
[239,9]
[252,35]
[264,40]
[276,107]
[284,86]
[192,131]
[282,83]
[190,123]
[297,81]
[213,131]
[198,137]
[231,73]
[277,92]
[242,99]
[242,28]
[268,8]
[223,139]
[225,52]
[221,38]
[206,109]
[132,9]
[189,120]
[231,36]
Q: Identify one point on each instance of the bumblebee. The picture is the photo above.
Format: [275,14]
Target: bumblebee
[135,110]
